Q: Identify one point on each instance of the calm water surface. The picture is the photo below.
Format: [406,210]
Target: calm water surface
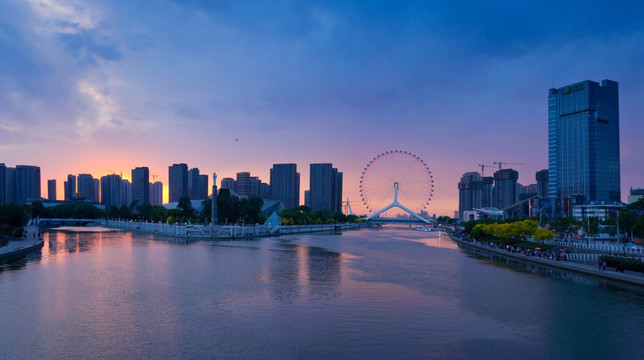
[388,294]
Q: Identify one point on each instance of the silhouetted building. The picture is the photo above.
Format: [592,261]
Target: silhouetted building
[197,185]
[141,185]
[542,183]
[126,192]
[242,183]
[470,195]
[27,183]
[111,190]
[11,191]
[228,183]
[70,188]
[156,193]
[505,188]
[213,202]
[178,181]
[3,183]
[97,193]
[285,184]
[583,142]
[51,190]
[325,186]
[307,198]
[86,188]
[487,191]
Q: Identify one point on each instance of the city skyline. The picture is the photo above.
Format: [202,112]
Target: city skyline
[97,87]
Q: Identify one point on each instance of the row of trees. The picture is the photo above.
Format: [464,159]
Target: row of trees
[302,215]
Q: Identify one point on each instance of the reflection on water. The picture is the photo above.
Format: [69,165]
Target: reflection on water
[392,293]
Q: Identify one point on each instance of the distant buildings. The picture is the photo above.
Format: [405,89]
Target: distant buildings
[86,188]
[141,185]
[242,183]
[635,194]
[126,192]
[470,194]
[505,188]
[228,183]
[178,181]
[197,185]
[51,190]
[27,183]
[583,143]
[70,187]
[111,190]
[542,183]
[3,181]
[325,186]
[285,184]
[156,193]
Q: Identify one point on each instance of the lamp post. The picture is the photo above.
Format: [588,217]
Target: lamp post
[540,210]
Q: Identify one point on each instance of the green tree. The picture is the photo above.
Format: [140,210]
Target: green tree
[125,212]
[566,224]
[544,234]
[112,212]
[185,206]
[158,213]
[206,211]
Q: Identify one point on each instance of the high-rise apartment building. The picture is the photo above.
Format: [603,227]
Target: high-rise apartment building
[10,185]
[86,187]
[111,190]
[70,187]
[325,187]
[141,185]
[542,183]
[197,185]
[27,183]
[3,183]
[51,189]
[178,181]
[156,193]
[470,193]
[126,192]
[583,142]
[243,183]
[285,184]
[228,183]
[505,188]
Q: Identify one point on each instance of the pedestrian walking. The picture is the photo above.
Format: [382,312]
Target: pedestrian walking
[603,265]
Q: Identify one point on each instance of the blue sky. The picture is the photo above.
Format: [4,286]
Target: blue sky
[91,86]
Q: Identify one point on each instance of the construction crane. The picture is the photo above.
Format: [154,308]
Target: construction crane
[114,172]
[500,163]
[154,177]
[483,166]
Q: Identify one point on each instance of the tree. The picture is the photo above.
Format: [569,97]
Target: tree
[206,211]
[112,212]
[591,226]
[566,224]
[185,205]
[544,234]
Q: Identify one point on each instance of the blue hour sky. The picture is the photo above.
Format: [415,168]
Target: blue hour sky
[228,86]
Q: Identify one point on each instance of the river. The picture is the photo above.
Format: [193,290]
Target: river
[392,293]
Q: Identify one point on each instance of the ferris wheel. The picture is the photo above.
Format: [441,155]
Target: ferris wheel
[396,179]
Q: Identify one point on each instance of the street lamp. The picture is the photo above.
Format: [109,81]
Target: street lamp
[540,210]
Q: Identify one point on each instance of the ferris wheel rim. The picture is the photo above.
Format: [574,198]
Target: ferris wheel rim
[378,158]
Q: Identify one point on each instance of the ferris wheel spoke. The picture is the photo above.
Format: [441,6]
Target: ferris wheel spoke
[383,174]
[413,165]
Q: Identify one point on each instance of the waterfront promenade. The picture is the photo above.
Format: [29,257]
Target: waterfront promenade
[629,277]
[22,246]
[204,232]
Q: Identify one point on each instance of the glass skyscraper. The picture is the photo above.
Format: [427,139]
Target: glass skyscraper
[583,142]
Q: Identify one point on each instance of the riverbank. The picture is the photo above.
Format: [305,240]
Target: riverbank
[20,247]
[628,277]
[208,232]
